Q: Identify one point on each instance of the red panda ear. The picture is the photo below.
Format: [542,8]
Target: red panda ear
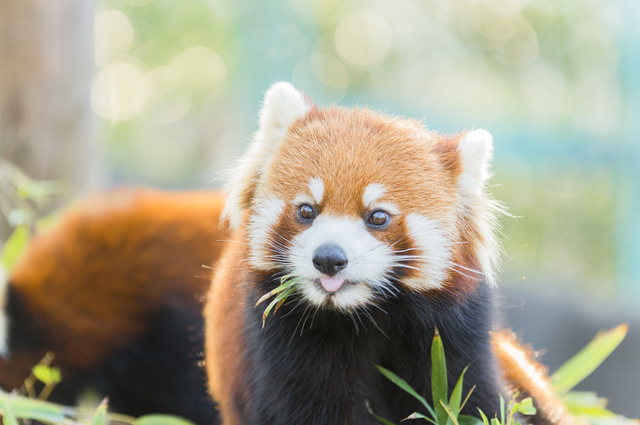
[476,152]
[282,105]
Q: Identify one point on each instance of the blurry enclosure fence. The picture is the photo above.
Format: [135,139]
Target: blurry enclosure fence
[46,64]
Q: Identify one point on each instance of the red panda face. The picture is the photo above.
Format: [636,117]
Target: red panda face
[354,203]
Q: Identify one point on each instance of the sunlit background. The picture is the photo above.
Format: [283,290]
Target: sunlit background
[175,87]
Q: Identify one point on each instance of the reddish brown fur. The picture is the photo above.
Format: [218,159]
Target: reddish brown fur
[224,336]
[108,265]
[390,152]
[529,377]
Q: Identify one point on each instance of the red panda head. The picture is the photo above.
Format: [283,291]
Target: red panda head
[355,203]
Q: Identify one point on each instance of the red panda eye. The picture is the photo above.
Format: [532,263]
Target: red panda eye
[306,212]
[378,218]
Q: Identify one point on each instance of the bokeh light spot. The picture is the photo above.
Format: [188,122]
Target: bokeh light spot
[363,38]
[112,91]
[521,49]
[201,67]
[161,96]
[313,7]
[329,70]
[113,36]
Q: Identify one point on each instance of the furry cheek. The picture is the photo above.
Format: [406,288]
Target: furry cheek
[433,253]
[370,262]
[261,244]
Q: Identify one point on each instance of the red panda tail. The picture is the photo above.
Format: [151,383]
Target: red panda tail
[530,378]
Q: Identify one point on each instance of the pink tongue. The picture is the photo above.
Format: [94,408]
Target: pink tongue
[331,284]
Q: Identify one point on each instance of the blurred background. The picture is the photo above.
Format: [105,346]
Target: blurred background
[164,93]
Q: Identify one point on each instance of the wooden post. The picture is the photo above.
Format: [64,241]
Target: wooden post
[46,65]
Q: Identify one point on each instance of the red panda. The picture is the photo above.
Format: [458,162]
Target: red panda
[115,292]
[389,232]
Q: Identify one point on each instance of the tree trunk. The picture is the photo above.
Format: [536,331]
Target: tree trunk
[46,64]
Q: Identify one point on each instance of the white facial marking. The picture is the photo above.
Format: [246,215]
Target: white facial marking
[434,255]
[4,323]
[316,186]
[372,193]
[369,262]
[267,213]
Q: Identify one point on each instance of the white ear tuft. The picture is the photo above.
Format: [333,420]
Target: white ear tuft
[476,152]
[282,106]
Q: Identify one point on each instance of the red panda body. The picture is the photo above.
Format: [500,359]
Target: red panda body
[114,291]
[388,231]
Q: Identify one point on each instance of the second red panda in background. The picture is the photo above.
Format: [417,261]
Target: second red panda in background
[114,291]
[389,233]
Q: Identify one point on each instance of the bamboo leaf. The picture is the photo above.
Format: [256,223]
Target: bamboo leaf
[162,420]
[407,388]
[588,359]
[39,410]
[282,292]
[100,415]
[382,420]
[47,375]
[452,418]
[526,407]
[467,397]
[470,420]
[456,395]
[485,420]
[14,246]
[438,377]
[416,415]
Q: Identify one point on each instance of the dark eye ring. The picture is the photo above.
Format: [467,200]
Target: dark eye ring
[306,212]
[378,218]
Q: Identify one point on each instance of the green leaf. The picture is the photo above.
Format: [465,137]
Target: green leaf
[8,417]
[456,395]
[526,407]
[438,377]
[382,420]
[452,418]
[406,387]
[502,415]
[47,375]
[14,246]
[485,420]
[588,359]
[162,420]
[584,398]
[287,287]
[29,408]
[470,420]
[40,190]
[277,302]
[100,415]
[586,403]
[416,415]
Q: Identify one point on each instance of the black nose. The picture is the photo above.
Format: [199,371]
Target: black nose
[329,259]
